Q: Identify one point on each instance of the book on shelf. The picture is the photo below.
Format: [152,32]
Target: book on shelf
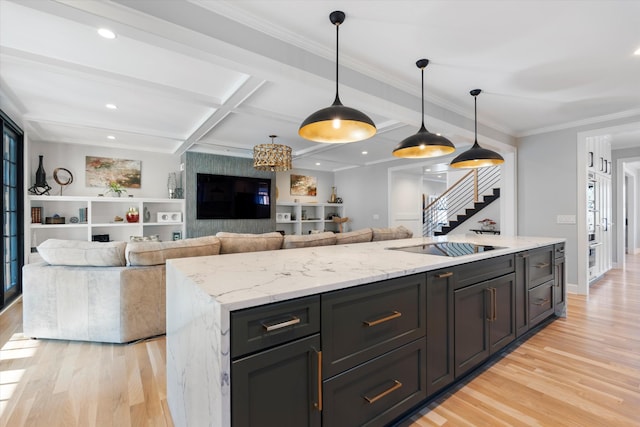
[36,215]
[82,215]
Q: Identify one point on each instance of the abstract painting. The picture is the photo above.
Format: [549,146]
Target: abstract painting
[302,185]
[100,171]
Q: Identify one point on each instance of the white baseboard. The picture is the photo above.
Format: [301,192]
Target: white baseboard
[572,288]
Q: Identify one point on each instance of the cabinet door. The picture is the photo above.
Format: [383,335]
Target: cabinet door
[559,292]
[471,327]
[278,387]
[440,372]
[521,304]
[502,326]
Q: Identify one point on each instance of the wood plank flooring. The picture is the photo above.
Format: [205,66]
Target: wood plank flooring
[579,371]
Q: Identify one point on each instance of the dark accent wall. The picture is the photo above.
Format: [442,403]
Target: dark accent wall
[195,163]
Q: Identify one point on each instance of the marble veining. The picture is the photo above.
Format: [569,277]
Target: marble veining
[202,292]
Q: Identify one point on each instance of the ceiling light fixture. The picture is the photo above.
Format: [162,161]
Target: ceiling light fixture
[111,137]
[337,124]
[272,157]
[107,33]
[637,52]
[424,143]
[364,153]
[111,106]
[476,156]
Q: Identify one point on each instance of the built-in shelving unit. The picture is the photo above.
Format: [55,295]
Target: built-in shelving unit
[303,218]
[96,216]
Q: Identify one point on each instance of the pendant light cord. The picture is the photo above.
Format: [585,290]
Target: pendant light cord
[337,47]
[422,71]
[475,116]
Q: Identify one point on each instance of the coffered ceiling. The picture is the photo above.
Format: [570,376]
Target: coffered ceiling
[220,76]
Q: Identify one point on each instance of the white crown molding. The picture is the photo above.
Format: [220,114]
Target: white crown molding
[580,123]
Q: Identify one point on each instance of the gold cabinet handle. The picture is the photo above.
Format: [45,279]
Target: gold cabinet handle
[492,304]
[396,385]
[542,301]
[274,326]
[443,275]
[394,315]
[495,303]
[318,404]
[542,265]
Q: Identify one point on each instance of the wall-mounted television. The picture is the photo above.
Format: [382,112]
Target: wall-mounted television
[233,197]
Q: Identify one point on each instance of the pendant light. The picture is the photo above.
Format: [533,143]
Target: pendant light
[476,156]
[337,123]
[272,157]
[424,143]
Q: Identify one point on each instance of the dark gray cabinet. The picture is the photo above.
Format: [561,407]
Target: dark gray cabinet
[440,371]
[278,387]
[484,321]
[276,365]
[559,291]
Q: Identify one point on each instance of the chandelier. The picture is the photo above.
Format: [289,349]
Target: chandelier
[272,157]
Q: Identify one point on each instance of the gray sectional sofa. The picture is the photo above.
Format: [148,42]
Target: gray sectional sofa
[115,292]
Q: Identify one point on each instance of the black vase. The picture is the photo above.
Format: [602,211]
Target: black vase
[41,175]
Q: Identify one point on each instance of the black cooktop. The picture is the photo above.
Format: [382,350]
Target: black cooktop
[448,248]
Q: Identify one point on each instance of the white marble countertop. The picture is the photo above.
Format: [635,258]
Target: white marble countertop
[245,280]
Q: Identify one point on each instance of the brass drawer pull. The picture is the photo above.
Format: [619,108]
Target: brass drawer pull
[272,327]
[543,265]
[443,275]
[541,301]
[395,314]
[396,385]
[318,405]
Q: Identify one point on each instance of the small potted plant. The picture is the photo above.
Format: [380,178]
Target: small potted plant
[115,188]
[487,224]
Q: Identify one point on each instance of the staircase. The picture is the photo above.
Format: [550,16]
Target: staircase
[469,195]
[469,212]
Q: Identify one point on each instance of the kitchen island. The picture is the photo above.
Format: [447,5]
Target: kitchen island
[236,318]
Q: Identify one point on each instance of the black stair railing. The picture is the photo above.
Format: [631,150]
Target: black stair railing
[456,199]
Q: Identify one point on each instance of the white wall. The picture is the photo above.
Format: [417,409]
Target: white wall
[364,191]
[492,211]
[325,180]
[155,167]
[405,205]
[548,185]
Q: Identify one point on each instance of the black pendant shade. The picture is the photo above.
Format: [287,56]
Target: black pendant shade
[476,156]
[424,143]
[337,123]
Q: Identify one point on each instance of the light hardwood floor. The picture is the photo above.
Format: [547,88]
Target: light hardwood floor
[579,371]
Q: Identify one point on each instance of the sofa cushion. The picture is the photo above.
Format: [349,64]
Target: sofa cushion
[356,236]
[391,233]
[156,253]
[231,243]
[308,240]
[82,253]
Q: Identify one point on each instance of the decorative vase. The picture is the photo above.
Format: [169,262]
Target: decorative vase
[147,214]
[41,175]
[334,196]
[133,215]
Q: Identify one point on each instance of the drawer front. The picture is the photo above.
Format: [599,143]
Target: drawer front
[367,321]
[479,271]
[558,249]
[377,392]
[540,303]
[541,267]
[262,327]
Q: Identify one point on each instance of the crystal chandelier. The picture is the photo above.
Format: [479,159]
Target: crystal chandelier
[272,157]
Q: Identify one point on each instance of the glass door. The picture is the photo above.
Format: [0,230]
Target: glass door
[12,218]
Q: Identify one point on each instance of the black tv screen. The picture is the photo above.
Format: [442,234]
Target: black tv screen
[233,197]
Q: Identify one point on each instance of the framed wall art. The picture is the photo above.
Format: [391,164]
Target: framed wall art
[302,185]
[102,171]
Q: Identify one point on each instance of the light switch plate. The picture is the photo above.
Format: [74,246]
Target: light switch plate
[566,219]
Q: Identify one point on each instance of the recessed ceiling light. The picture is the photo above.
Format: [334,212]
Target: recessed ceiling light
[427,170]
[111,137]
[111,106]
[317,163]
[107,33]
[637,52]
[365,153]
